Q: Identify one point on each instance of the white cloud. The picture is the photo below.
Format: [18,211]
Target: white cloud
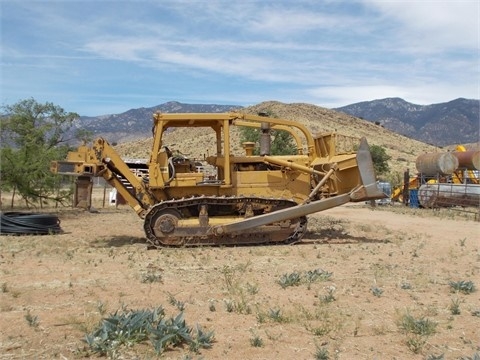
[442,24]
[329,52]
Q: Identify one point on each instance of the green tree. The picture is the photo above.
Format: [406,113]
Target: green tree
[249,134]
[380,159]
[282,143]
[32,135]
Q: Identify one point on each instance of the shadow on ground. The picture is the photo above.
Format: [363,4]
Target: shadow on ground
[333,236]
[330,236]
[119,241]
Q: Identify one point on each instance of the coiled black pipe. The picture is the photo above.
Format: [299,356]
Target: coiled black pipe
[29,223]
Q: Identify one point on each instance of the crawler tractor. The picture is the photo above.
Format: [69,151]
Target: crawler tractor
[251,199]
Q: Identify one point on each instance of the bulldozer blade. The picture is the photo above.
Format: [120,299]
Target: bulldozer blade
[369,189]
[281,215]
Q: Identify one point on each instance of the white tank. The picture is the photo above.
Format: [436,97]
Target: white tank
[430,195]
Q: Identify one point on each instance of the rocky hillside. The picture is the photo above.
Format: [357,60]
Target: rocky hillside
[136,124]
[195,143]
[442,124]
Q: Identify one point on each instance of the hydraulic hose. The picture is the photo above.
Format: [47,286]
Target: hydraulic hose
[29,223]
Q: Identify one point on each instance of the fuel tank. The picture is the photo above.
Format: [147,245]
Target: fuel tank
[469,160]
[431,195]
[432,164]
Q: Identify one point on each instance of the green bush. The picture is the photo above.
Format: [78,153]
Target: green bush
[466,287]
[136,326]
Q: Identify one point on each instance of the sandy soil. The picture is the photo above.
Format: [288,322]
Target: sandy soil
[385,264]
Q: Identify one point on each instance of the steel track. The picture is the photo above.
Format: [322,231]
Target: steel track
[222,206]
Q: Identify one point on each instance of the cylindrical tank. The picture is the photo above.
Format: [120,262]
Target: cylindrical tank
[430,195]
[469,160]
[432,164]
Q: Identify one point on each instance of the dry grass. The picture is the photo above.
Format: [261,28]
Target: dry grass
[55,289]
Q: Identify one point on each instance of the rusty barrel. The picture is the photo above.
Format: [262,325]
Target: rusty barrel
[469,160]
[431,164]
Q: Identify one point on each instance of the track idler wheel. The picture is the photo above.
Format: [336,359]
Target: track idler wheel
[165,223]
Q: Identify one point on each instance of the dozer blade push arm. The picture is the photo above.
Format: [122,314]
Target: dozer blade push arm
[368,190]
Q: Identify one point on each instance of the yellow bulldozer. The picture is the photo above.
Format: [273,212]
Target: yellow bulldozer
[251,199]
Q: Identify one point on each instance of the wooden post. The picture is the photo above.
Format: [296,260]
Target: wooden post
[406,192]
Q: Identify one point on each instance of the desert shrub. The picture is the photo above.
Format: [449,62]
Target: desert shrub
[256,340]
[296,278]
[137,326]
[321,353]
[466,287]
[416,330]
[32,320]
[292,279]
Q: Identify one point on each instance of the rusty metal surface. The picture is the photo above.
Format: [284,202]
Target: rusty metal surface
[251,199]
[432,164]
[469,160]
[172,222]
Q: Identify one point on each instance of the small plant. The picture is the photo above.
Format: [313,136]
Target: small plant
[101,307]
[242,306]
[317,275]
[276,315]
[376,291]
[202,340]
[261,317]
[455,307]
[229,278]
[252,289]
[211,305]
[465,287]
[151,276]
[229,305]
[475,356]
[462,241]
[421,326]
[32,320]
[4,288]
[322,330]
[180,305]
[321,353]
[329,297]
[256,341]
[476,313]
[296,278]
[292,279]
[416,330]
[436,357]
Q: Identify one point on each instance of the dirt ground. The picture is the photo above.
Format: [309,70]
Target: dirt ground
[386,264]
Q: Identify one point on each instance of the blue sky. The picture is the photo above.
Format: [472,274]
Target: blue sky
[102,57]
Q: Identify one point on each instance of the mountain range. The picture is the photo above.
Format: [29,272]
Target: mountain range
[136,124]
[453,122]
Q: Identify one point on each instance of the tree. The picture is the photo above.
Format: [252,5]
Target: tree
[282,143]
[32,135]
[380,159]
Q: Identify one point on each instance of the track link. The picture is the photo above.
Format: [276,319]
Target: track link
[185,222]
